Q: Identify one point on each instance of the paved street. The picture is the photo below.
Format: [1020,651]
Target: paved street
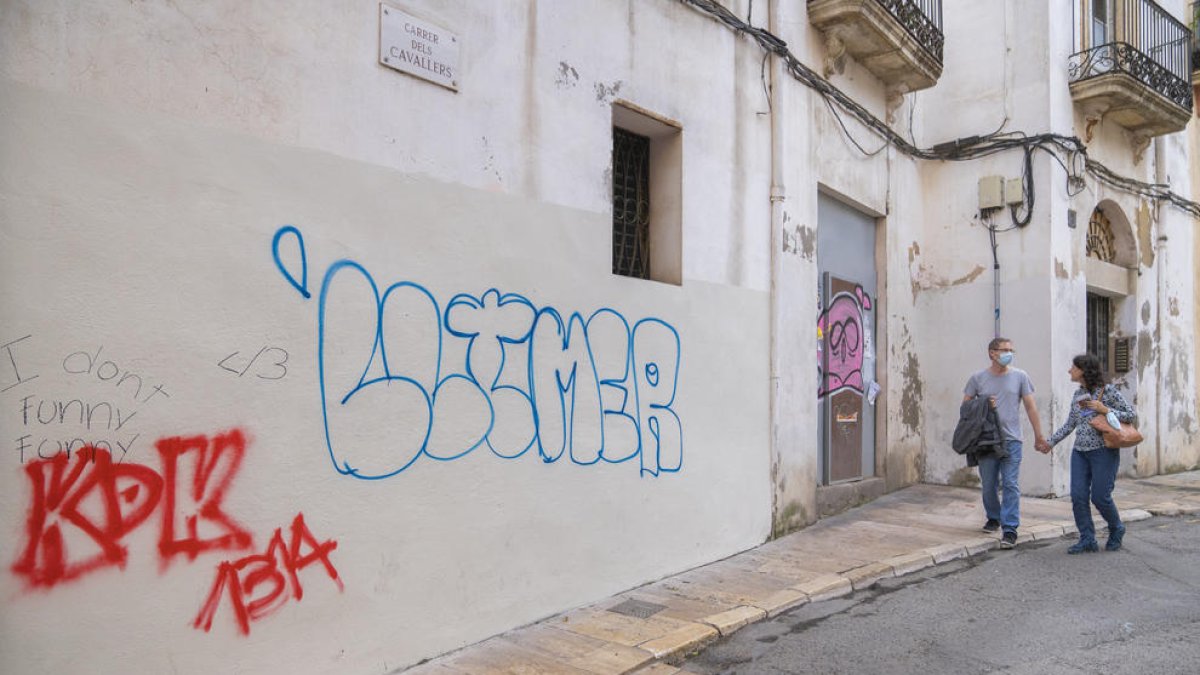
[1031,610]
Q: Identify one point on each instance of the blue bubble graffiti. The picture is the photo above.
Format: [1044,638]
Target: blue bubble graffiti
[302,284]
[591,389]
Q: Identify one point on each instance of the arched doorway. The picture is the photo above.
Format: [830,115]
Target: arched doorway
[1110,267]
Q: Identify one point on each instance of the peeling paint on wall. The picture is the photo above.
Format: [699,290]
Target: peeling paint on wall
[1173,304]
[964,477]
[925,279]
[808,242]
[567,75]
[912,395]
[1146,312]
[1145,349]
[1179,386]
[607,92]
[1144,222]
[1060,270]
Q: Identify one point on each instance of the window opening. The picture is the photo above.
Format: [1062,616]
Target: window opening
[631,204]
[1101,243]
[1099,317]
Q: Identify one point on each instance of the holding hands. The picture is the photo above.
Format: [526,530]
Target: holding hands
[1042,445]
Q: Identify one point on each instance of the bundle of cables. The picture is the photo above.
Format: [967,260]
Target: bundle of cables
[1069,151]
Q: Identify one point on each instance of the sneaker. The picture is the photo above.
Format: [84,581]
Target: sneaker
[991,525]
[1114,538]
[1083,547]
[1009,539]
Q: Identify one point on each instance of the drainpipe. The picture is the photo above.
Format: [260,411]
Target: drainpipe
[1160,262]
[778,197]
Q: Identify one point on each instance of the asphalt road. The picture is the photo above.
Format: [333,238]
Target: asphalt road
[1032,610]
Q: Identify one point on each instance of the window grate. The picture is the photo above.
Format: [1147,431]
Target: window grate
[1121,355]
[1101,242]
[1099,316]
[631,204]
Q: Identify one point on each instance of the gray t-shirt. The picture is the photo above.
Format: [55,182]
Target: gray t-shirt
[1008,389]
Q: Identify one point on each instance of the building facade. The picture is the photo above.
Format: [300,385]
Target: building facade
[337,336]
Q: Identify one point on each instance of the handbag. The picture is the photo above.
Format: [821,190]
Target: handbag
[1125,437]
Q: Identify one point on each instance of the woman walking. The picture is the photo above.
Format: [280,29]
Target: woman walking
[1093,466]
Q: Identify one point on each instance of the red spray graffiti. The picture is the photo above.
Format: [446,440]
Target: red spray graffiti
[207,467]
[274,572]
[103,500]
[106,501]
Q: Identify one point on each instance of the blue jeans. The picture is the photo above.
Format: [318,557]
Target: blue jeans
[1000,475]
[1093,474]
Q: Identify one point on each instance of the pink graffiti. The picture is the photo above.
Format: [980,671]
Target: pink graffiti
[841,326]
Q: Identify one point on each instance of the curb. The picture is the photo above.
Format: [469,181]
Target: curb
[862,578]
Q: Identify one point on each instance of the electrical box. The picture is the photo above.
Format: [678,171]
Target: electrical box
[991,192]
[1013,192]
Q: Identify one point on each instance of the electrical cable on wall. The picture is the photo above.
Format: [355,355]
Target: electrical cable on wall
[1069,151]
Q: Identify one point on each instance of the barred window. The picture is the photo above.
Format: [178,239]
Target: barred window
[631,204]
[1099,318]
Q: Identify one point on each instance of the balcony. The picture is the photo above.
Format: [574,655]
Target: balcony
[899,41]
[1195,14]
[1133,65]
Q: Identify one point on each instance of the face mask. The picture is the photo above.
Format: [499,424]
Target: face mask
[1005,358]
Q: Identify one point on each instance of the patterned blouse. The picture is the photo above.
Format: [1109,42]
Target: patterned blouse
[1086,436]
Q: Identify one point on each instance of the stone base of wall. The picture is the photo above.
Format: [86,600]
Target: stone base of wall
[833,499]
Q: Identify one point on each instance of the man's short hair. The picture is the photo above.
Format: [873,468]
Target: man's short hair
[996,342]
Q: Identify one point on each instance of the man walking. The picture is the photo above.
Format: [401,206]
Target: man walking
[1007,388]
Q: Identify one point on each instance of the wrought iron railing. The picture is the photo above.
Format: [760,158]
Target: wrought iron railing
[1135,37]
[922,19]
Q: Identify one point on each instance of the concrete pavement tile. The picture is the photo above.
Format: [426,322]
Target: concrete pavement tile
[724,582]
[800,566]
[825,587]
[909,562]
[679,605]
[1170,509]
[623,630]
[947,552]
[1045,531]
[781,601]
[612,659]
[980,544]
[552,641]
[499,657]
[680,641]
[579,651]
[1069,529]
[1134,515]
[863,577]
[693,600]
[936,526]
[728,621]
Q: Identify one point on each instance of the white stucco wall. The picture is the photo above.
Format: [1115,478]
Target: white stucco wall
[150,154]
[146,163]
[1042,280]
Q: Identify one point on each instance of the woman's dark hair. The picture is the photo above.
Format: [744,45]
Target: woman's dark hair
[1093,374]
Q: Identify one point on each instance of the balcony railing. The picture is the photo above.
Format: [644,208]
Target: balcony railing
[1137,38]
[1195,24]
[922,19]
[898,41]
